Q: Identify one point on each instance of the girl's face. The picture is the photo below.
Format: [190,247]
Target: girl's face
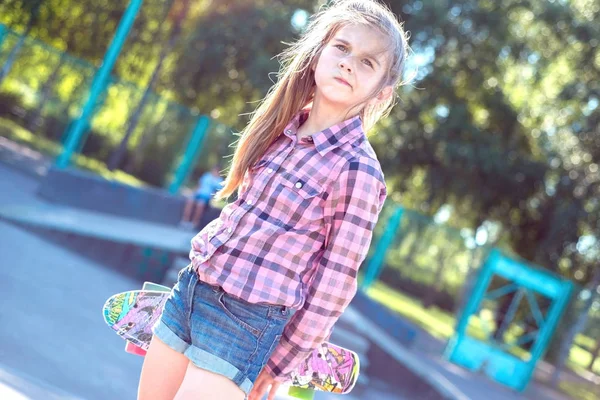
[352,66]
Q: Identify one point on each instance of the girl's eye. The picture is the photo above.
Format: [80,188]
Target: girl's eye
[368,63]
[340,47]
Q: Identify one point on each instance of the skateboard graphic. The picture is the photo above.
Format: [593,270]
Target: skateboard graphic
[132,315]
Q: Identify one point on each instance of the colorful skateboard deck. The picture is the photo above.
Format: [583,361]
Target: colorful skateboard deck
[132,314]
[130,347]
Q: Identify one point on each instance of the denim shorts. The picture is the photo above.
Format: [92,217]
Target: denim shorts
[219,332]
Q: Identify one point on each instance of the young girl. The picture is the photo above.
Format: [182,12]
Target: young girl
[269,278]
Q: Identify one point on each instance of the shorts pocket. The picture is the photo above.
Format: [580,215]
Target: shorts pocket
[271,349]
[242,314]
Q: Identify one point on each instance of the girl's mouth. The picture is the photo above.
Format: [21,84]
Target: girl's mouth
[342,81]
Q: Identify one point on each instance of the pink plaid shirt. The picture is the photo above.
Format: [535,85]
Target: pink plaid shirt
[298,232]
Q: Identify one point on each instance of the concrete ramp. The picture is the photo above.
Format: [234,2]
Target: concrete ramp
[51,328]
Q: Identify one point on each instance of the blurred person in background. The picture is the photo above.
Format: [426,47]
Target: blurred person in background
[208,184]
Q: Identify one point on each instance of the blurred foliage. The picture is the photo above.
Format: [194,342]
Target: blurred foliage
[495,131]
[501,124]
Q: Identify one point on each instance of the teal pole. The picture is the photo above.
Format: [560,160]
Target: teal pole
[375,265]
[478,292]
[2,35]
[192,149]
[552,319]
[99,84]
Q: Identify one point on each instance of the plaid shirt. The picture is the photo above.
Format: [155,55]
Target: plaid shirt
[298,232]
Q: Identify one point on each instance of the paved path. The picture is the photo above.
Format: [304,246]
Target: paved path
[52,333]
[53,342]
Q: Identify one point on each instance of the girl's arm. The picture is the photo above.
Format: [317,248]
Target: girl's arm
[351,213]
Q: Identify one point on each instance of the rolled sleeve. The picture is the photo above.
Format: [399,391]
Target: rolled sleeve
[351,212]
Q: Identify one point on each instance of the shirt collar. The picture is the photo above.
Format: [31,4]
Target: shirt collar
[346,131]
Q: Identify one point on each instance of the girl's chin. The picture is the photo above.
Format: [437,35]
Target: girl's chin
[339,100]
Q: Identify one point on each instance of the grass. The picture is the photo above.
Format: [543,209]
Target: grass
[17,133]
[579,391]
[440,323]
[435,321]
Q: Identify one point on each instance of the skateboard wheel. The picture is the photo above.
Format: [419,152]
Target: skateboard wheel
[301,393]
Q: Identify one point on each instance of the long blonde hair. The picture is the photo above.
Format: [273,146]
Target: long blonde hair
[295,85]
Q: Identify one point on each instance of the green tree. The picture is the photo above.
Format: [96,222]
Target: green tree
[502,123]
[227,62]
[176,18]
[30,8]
[485,133]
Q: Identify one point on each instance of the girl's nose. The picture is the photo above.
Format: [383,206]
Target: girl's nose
[345,64]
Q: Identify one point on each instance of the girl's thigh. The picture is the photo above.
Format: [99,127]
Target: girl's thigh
[162,373]
[199,383]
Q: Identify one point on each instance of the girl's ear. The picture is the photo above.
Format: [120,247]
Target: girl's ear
[384,94]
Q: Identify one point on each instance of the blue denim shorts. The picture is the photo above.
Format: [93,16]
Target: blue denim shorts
[219,332]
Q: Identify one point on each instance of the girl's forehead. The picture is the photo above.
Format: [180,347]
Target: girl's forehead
[364,38]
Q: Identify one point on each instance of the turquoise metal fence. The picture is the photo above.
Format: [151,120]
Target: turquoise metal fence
[492,354]
[52,90]
[99,84]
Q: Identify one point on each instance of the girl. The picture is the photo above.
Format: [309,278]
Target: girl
[269,278]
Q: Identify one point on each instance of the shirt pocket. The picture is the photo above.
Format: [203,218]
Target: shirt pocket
[303,187]
[298,207]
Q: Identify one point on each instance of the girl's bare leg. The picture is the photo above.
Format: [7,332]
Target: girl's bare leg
[162,372]
[202,384]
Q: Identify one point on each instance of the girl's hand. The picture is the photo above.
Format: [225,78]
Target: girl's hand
[261,385]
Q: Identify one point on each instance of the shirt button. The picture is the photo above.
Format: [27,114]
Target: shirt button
[299,185]
[270,170]
[229,230]
[289,131]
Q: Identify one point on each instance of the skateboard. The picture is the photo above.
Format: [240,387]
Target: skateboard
[132,314]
